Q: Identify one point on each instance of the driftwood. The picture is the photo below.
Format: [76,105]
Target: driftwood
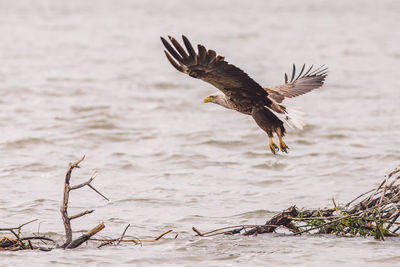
[136,241]
[83,238]
[19,243]
[377,215]
[374,213]
[69,243]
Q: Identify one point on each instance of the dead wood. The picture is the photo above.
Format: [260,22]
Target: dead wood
[281,219]
[136,241]
[17,243]
[85,237]
[374,215]
[69,243]
[20,243]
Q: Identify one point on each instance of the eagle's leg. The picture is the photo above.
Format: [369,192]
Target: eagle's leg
[282,144]
[274,148]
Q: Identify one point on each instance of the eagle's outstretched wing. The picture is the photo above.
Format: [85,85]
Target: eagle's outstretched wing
[209,67]
[303,83]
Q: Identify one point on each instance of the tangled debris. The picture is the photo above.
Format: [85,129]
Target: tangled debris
[376,215]
[18,242]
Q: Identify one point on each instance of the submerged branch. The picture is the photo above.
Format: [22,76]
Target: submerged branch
[85,237]
[137,241]
[376,215]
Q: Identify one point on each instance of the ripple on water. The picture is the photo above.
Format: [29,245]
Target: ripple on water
[101,124]
[334,136]
[25,142]
[270,166]
[267,182]
[87,109]
[255,214]
[253,154]
[223,143]
[152,200]
[166,85]
[189,158]
[304,142]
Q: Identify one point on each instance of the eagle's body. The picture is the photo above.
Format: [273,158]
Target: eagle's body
[240,92]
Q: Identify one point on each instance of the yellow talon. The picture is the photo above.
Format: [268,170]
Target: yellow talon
[282,145]
[272,146]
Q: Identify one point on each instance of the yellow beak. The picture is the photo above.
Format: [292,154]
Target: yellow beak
[207,99]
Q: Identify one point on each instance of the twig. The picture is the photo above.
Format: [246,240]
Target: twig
[363,194]
[334,204]
[38,238]
[80,214]
[322,225]
[315,218]
[163,234]
[85,183]
[393,221]
[225,228]
[123,234]
[137,241]
[94,189]
[197,231]
[105,243]
[235,228]
[382,183]
[17,227]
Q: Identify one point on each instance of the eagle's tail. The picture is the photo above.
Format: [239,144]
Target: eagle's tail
[294,118]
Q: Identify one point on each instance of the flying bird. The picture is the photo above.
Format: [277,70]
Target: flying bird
[242,93]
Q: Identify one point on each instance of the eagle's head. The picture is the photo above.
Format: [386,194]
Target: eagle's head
[216,98]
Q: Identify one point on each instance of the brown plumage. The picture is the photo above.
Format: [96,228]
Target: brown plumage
[240,92]
[303,83]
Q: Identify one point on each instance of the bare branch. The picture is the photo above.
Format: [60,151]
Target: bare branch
[319,226]
[163,234]
[83,238]
[137,241]
[76,163]
[95,190]
[123,234]
[80,214]
[17,227]
[85,183]
[197,231]
[64,208]
[38,238]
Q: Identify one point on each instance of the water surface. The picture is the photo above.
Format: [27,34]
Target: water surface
[90,77]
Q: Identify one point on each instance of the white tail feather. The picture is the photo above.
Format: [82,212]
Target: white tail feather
[295,118]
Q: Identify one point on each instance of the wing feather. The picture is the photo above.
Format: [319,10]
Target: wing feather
[209,67]
[179,48]
[302,84]
[293,73]
[301,72]
[171,50]
[173,62]
[189,47]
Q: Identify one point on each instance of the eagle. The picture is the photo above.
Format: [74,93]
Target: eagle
[242,93]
